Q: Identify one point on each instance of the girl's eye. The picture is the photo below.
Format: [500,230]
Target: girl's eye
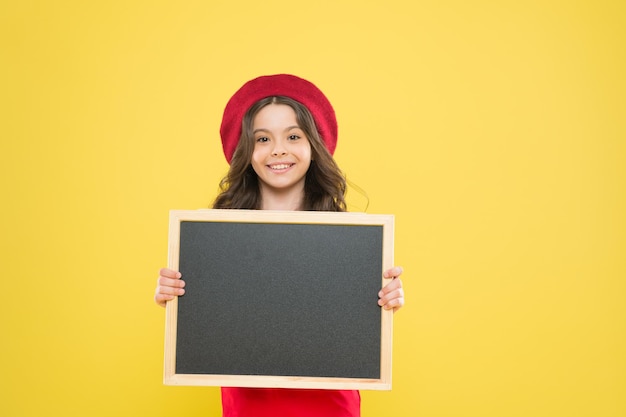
[262,139]
[294,137]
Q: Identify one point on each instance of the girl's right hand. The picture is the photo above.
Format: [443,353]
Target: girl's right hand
[169,286]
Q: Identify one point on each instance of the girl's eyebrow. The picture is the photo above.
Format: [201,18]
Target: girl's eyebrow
[292,127]
[261,129]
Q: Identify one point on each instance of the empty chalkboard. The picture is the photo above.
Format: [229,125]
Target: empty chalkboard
[279,299]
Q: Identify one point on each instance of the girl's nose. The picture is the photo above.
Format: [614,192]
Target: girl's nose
[279,148]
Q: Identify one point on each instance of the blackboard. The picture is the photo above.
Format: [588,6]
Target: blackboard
[279,299]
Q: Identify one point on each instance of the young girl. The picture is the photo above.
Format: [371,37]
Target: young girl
[278,134]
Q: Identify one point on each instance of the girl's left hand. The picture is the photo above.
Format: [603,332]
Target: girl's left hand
[392,294]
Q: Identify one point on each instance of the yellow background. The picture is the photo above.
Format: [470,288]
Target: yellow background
[494,131]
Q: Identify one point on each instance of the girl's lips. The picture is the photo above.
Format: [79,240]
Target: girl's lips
[281,166]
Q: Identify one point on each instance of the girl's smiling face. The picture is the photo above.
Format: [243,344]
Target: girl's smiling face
[282,152]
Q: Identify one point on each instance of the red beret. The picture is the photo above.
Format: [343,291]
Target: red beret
[287,85]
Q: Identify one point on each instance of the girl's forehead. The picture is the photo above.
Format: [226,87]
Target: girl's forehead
[275,115]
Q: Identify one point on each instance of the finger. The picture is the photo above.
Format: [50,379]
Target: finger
[169,282]
[167,290]
[394,272]
[394,295]
[394,304]
[169,273]
[162,299]
[163,293]
[391,286]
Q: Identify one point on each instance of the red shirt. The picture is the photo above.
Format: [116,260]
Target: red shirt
[272,402]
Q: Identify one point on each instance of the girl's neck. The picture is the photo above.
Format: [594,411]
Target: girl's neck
[281,201]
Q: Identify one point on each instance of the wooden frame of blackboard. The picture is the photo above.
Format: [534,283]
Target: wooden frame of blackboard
[382,378]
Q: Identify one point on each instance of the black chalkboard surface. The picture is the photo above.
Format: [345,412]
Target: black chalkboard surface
[279,299]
